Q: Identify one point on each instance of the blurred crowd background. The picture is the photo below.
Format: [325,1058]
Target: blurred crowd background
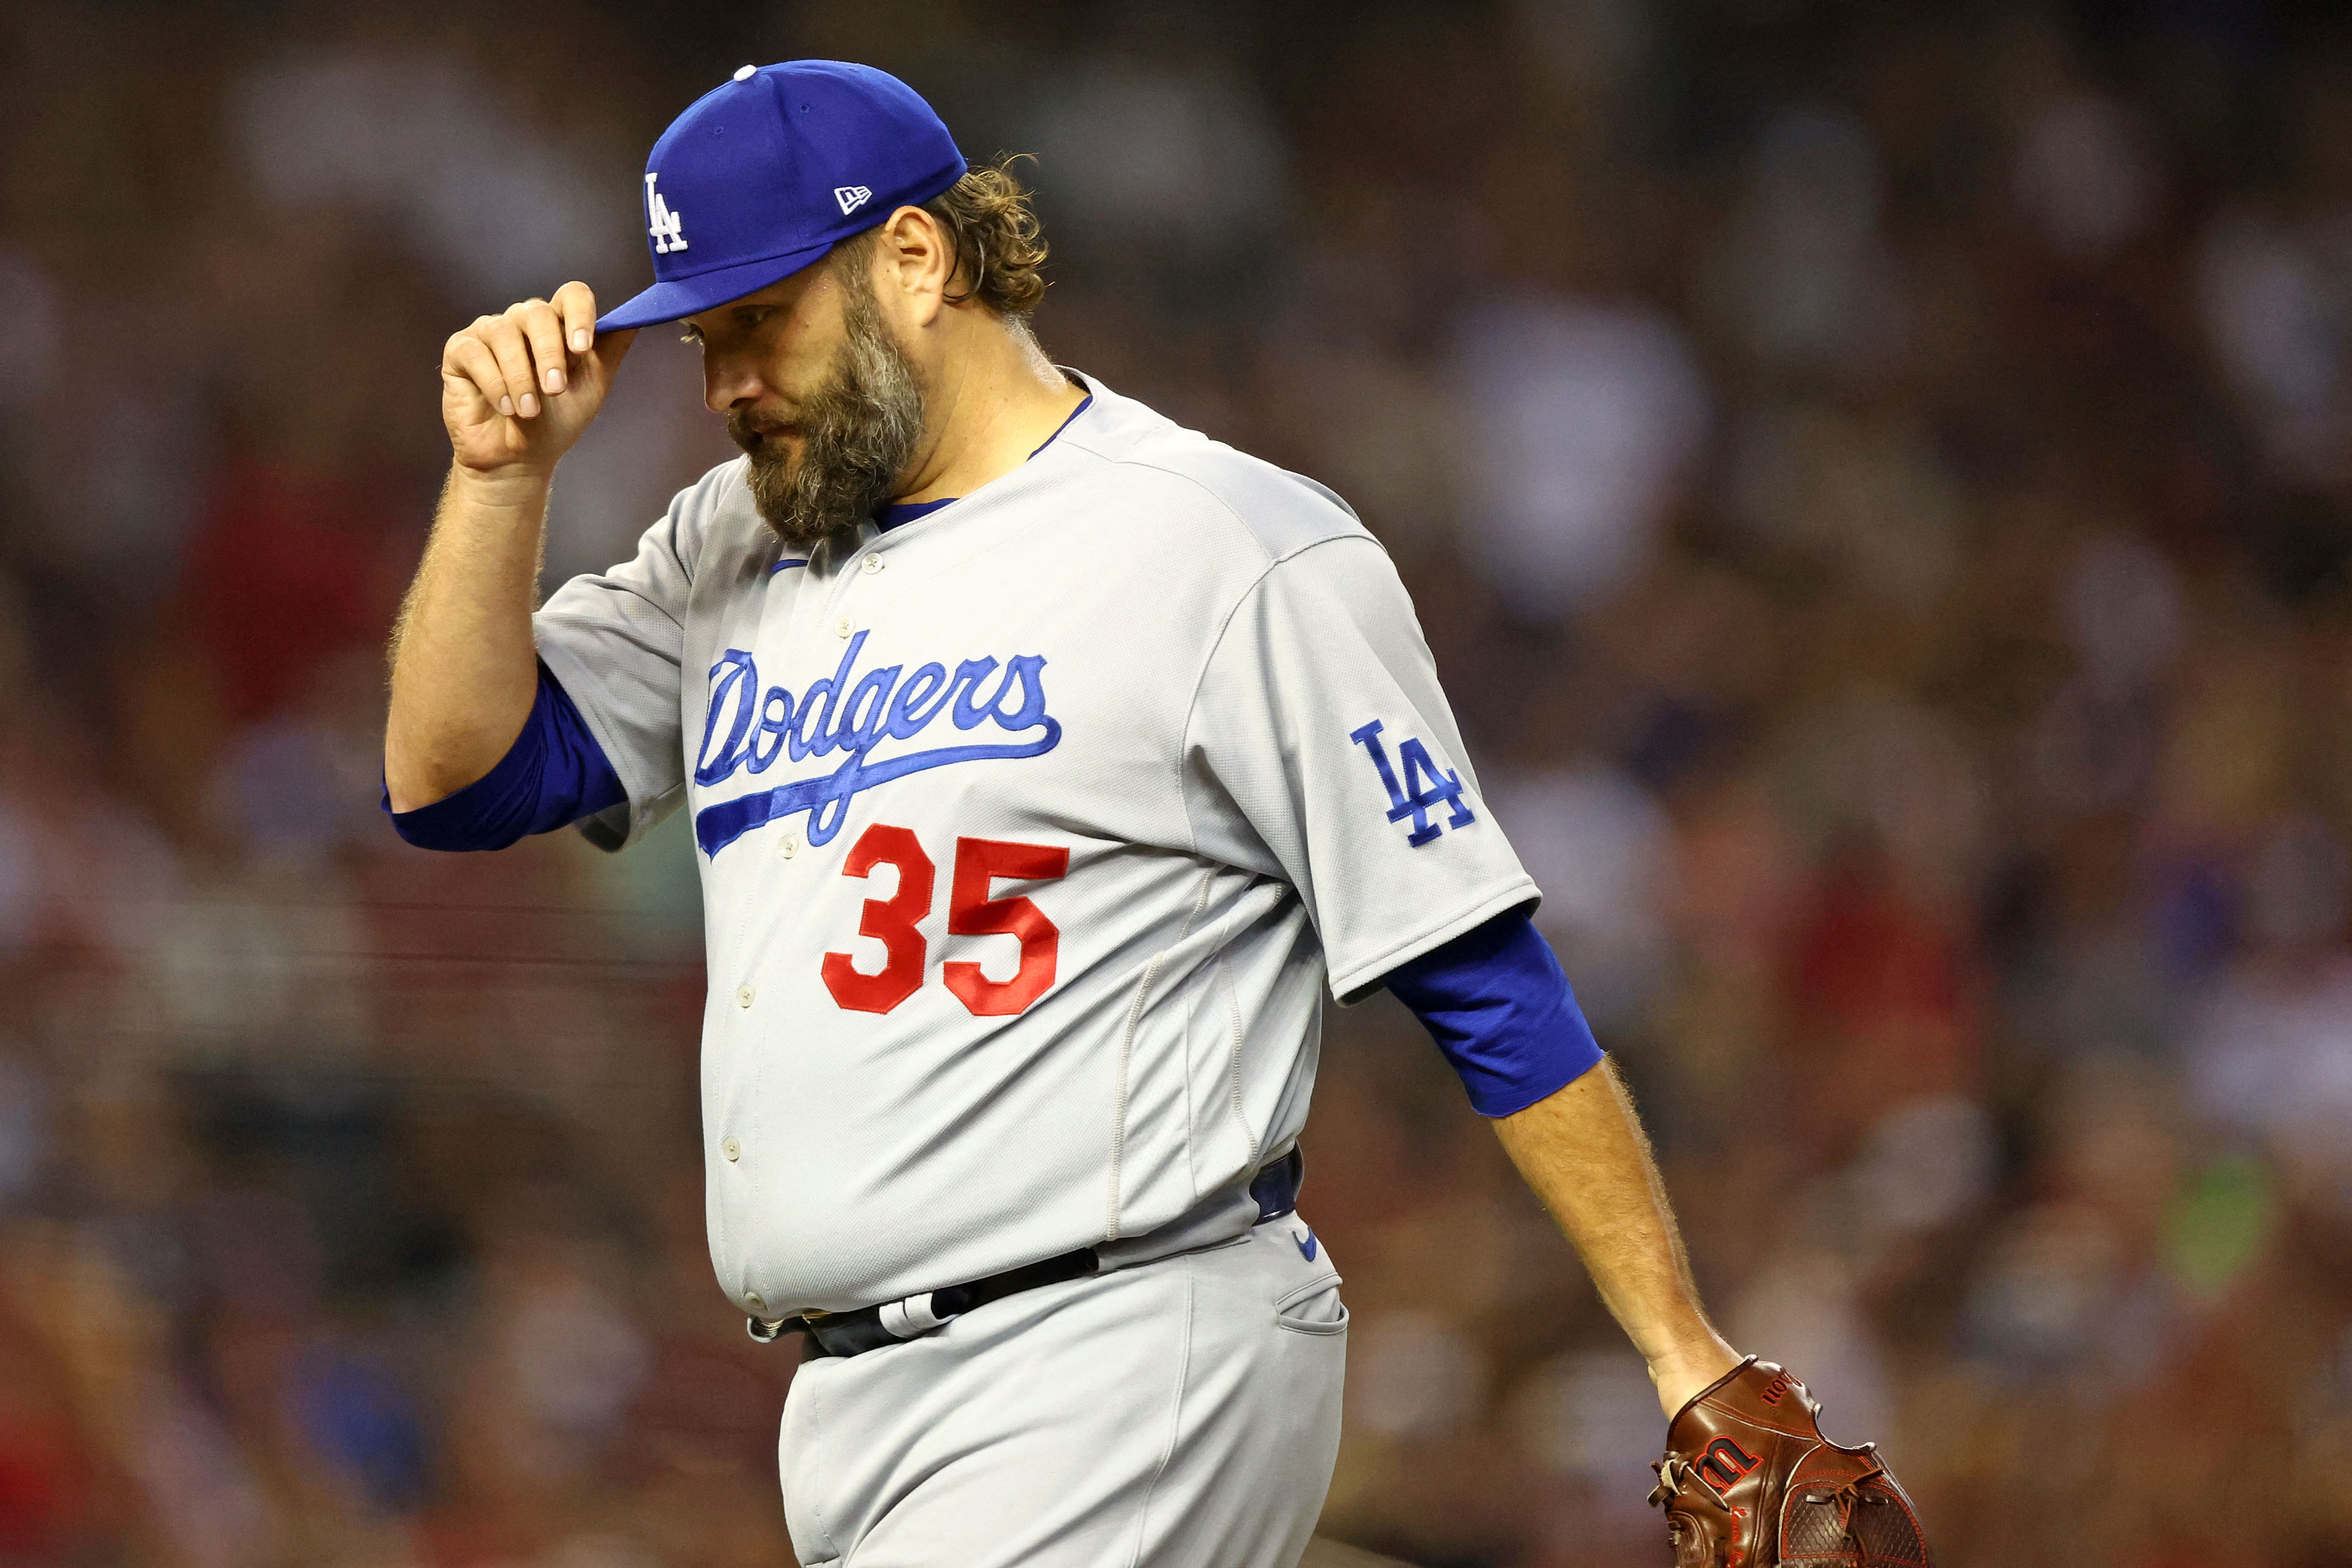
[1877,479]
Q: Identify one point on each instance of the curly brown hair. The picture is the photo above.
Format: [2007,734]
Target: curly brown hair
[991,222]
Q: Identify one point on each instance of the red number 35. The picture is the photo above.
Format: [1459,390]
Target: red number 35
[980,863]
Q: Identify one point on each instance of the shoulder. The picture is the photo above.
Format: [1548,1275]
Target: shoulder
[1175,476]
[715,508]
[706,543]
[713,533]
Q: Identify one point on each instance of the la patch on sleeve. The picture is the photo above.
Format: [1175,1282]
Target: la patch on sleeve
[1424,787]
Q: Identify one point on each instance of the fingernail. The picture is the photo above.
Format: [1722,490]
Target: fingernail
[555,379]
[506,407]
[579,341]
[529,405]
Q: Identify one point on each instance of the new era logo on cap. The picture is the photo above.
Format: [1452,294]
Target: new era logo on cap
[851,197]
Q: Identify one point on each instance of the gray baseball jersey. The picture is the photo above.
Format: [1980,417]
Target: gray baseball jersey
[1031,832]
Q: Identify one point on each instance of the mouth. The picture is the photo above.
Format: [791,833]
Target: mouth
[761,439]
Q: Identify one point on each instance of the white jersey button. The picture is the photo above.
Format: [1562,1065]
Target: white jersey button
[743,995]
[873,564]
[841,627]
[789,845]
[732,1149]
[745,73]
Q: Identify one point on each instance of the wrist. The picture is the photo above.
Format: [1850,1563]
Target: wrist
[1681,1371]
[520,487]
[1705,1348]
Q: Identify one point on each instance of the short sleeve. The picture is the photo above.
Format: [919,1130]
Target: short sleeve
[616,640]
[1320,746]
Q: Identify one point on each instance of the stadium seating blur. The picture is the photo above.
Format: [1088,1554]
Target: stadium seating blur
[1877,481]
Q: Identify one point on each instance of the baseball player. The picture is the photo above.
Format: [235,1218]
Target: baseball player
[1048,765]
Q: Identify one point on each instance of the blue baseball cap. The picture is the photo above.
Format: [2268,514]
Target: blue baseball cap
[768,172]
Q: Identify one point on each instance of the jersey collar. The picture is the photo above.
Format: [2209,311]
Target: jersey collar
[899,512]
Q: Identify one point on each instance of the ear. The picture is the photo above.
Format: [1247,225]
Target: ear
[913,263]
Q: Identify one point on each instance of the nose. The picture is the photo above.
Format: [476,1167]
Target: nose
[729,382]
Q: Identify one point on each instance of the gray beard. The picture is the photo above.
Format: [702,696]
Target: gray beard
[858,434]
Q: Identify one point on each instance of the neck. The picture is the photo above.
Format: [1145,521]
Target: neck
[996,399]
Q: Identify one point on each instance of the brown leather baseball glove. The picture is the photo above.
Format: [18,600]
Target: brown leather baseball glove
[1748,1481]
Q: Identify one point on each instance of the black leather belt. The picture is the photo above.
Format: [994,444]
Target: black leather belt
[1276,1188]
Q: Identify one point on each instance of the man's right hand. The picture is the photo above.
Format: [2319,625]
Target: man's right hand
[518,388]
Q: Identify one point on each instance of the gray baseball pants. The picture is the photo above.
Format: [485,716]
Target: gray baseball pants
[1178,1414]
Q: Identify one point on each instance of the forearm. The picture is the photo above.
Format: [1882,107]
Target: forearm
[1583,1153]
[464,667]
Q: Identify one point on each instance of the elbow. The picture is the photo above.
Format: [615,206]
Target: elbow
[548,775]
[1499,1098]
[427,812]
[430,754]
[405,792]
[414,777]
[460,819]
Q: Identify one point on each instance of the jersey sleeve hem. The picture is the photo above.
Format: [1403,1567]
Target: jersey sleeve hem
[1362,978]
[646,805]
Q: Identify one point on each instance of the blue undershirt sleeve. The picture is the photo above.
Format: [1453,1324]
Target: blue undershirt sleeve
[553,775]
[1500,1007]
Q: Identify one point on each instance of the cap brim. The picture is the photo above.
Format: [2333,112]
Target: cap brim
[687,297]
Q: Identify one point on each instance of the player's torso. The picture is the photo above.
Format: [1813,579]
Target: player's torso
[956,928]
[990,675]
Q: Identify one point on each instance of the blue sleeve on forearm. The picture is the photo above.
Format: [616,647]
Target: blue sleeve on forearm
[554,774]
[1500,1006]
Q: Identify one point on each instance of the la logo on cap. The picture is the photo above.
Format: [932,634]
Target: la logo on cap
[668,228]
[851,197]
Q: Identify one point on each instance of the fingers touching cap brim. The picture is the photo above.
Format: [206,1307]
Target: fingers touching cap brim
[684,297]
